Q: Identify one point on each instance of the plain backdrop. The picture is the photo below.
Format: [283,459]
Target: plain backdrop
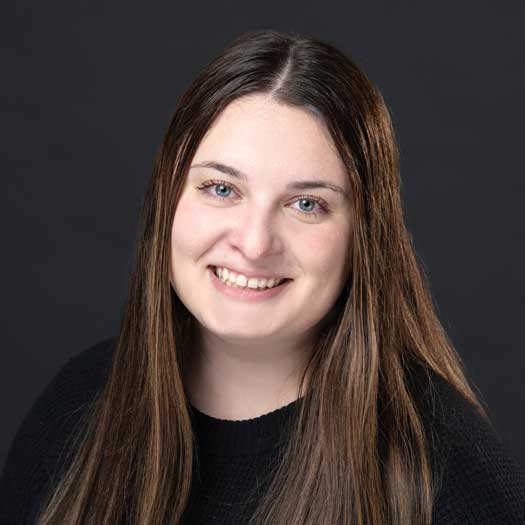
[88,89]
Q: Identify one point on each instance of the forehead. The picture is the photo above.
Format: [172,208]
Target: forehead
[259,135]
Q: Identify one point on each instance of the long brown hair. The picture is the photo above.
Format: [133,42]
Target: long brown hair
[358,452]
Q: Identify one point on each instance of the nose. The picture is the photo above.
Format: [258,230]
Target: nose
[256,235]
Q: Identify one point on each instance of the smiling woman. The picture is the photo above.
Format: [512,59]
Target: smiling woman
[280,360]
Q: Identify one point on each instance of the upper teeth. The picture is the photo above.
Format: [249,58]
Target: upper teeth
[233,278]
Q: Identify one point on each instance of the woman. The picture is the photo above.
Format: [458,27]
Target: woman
[329,395]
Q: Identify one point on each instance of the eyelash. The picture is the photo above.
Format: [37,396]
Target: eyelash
[322,203]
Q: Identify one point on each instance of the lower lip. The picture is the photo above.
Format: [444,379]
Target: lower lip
[247,294]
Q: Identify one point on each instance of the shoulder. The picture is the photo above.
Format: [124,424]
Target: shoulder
[41,441]
[75,384]
[87,369]
[480,480]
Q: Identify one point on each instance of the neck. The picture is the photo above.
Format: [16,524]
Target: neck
[237,381]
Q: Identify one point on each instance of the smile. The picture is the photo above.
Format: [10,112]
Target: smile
[246,293]
[238,280]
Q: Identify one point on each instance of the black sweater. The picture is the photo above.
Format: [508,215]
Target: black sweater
[482,484]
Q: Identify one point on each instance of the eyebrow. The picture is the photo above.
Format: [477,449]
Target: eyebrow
[300,185]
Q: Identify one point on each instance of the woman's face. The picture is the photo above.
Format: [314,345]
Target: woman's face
[263,224]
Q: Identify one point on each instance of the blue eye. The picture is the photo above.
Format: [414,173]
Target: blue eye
[223,187]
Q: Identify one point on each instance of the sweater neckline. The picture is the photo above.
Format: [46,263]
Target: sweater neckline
[227,437]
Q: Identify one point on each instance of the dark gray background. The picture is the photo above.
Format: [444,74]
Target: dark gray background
[87,92]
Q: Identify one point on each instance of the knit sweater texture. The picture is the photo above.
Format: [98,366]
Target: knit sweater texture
[482,482]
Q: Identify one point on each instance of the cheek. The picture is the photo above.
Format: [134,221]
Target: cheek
[324,251]
[191,236]
[191,230]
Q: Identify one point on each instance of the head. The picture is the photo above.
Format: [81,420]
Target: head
[280,110]
[250,203]
[241,153]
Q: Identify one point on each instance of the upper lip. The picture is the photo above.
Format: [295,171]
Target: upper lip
[250,273]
